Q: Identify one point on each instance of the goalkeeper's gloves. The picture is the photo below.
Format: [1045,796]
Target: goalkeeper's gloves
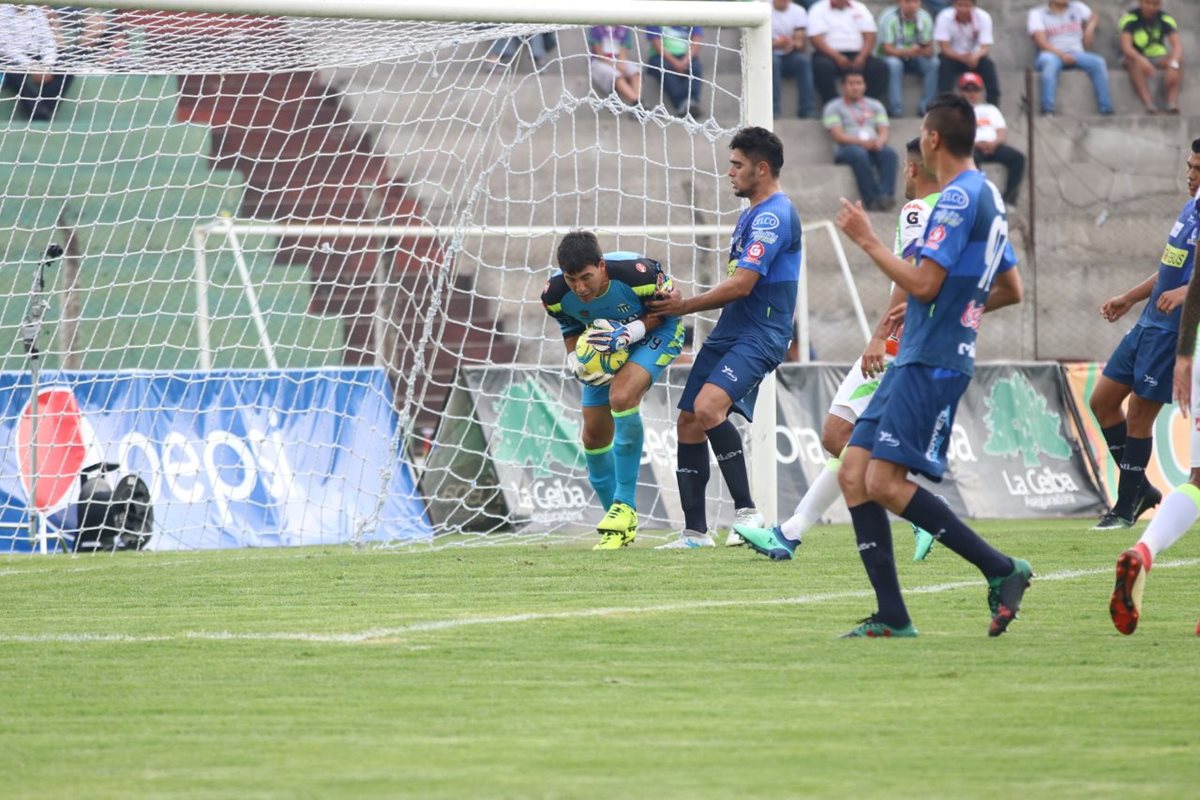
[574,367]
[609,338]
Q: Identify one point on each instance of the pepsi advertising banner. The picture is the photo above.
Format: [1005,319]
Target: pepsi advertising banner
[238,458]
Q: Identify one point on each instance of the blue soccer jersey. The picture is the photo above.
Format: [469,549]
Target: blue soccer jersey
[1174,269]
[967,236]
[633,281]
[766,240]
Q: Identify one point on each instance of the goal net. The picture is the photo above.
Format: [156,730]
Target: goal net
[302,257]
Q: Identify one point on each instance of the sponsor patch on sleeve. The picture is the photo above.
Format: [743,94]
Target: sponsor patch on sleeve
[755,252]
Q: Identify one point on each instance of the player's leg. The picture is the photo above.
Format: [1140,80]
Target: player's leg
[691,459]
[1107,401]
[913,435]
[849,402]
[597,438]
[1179,511]
[733,386]
[1154,368]
[873,534]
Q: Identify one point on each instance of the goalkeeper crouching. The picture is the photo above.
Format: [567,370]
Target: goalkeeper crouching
[604,296]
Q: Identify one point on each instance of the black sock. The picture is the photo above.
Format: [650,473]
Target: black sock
[926,511]
[691,473]
[727,446]
[1114,437]
[874,535]
[1132,464]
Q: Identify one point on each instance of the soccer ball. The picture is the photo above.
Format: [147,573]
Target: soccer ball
[594,361]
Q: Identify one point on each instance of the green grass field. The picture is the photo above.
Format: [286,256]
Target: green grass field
[555,672]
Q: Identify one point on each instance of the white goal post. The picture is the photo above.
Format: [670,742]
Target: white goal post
[564,156]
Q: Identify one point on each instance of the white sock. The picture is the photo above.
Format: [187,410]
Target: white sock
[1172,519]
[819,497]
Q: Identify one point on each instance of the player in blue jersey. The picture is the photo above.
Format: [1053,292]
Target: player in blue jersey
[1182,506]
[1140,369]
[608,293]
[965,267]
[758,302]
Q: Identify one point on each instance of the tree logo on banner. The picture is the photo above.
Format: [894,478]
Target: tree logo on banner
[531,430]
[1019,422]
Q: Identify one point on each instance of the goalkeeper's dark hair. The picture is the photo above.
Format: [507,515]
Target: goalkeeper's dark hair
[953,117]
[1196,145]
[578,249]
[759,144]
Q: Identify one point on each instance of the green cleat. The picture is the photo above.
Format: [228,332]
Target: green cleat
[615,540]
[1004,595]
[873,628]
[923,543]
[769,542]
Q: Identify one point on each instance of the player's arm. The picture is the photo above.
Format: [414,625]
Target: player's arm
[876,349]
[735,287]
[1115,307]
[1186,346]
[922,282]
[1007,290]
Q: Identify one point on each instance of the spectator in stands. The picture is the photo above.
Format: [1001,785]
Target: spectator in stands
[675,64]
[906,46]
[859,126]
[1150,43]
[964,38]
[504,51]
[30,39]
[991,131]
[843,38]
[610,47]
[788,46]
[1063,30]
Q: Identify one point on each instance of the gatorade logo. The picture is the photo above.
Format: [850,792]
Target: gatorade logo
[65,444]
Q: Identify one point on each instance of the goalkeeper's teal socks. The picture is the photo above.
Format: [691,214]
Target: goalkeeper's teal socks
[627,453]
[602,473]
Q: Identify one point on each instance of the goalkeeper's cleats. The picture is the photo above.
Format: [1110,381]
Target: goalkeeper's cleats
[615,540]
[923,543]
[1125,607]
[618,528]
[689,540]
[1005,594]
[874,628]
[769,542]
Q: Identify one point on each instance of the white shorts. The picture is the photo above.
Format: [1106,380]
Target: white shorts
[855,393]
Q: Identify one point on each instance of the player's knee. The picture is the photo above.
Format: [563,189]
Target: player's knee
[880,488]
[709,416]
[687,429]
[594,440]
[623,398]
[835,434]
[852,482]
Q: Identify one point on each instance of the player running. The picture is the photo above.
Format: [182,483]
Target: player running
[1182,506]
[609,292]
[751,337]
[965,267]
[779,543]
[1141,368]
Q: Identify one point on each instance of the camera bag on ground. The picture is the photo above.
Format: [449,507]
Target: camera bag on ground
[113,513]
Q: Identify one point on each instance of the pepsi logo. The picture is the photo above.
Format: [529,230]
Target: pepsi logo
[65,444]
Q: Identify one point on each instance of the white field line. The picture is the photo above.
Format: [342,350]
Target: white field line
[379,634]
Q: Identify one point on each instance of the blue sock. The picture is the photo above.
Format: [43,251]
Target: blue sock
[1132,464]
[727,446]
[627,452]
[691,473]
[926,511]
[873,532]
[602,473]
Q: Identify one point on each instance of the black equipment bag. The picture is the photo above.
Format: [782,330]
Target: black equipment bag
[112,516]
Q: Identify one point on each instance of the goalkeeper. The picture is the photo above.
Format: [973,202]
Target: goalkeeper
[608,291]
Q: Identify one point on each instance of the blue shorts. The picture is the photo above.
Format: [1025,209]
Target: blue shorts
[737,369]
[910,417]
[1145,361]
[659,348]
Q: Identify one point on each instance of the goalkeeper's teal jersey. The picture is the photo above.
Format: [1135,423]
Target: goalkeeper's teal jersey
[633,281]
